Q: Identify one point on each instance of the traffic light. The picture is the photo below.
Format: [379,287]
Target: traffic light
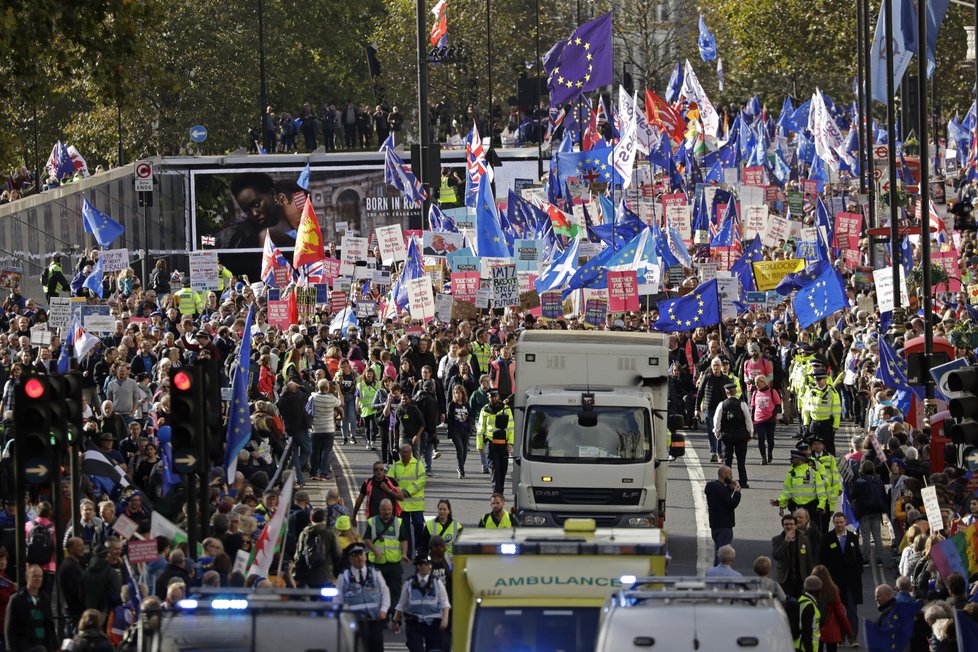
[963,405]
[188,427]
[34,423]
[73,405]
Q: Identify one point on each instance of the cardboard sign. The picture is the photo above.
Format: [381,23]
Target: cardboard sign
[125,527]
[505,285]
[754,176]
[278,314]
[596,312]
[390,239]
[463,311]
[932,508]
[141,552]
[116,260]
[768,273]
[465,285]
[755,222]
[623,291]
[203,270]
[421,298]
[354,249]
[778,229]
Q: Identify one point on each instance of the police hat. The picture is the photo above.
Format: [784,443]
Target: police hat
[730,387]
[355,549]
[492,392]
[805,348]
[819,372]
[421,559]
[797,454]
[816,438]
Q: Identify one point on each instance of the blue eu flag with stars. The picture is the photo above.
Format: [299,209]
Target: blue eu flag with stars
[701,307]
[239,420]
[103,227]
[490,239]
[820,297]
[895,628]
[893,373]
[582,63]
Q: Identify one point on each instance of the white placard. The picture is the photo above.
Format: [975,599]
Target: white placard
[730,177]
[241,561]
[203,270]
[932,508]
[808,234]
[755,222]
[391,242]
[728,287]
[125,526]
[482,296]
[421,298]
[487,264]
[443,307]
[883,279]
[751,196]
[354,249]
[40,335]
[681,218]
[778,228]
[59,312]
[114,260]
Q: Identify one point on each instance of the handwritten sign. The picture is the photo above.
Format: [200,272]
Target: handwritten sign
[203,270]
[390,239]
[421,298]
[778,229]
[932,508]
[505,285]
[116,260]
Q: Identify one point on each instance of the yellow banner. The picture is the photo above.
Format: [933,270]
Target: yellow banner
[768,273]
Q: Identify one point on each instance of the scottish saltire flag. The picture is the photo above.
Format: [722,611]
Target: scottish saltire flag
[102,471]
[706,42]
[676,252]
[560,270]
[59,161]
[413,268]
[675,84]
[239,418]
[743,268]
[93,282]
[399,175]
[439,222]
[439,31]
[476,166]
[903,33]
[490,239]
[303,180]
[344,320]
[582,63]
[701,307]
[272,259]
[100,225]
[820,297]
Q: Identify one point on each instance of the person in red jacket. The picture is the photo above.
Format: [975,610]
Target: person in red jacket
[835,624]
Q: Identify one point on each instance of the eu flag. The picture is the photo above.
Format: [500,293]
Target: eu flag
[93,282]
[820,297]
[706,42]
[893,374]
[490,239]
[583,64]
[103,227]
[743,268]
[413,268]
[239,419]
[593,166]
[894,629]
[303,180]
[701,307]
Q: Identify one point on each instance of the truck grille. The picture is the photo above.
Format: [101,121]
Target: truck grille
[599,520]
[569,496]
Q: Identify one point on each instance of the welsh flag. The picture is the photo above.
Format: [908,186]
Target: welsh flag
[561,225]
[273,534]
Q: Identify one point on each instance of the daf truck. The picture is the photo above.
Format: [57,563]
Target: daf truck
[592,436]
[542,588]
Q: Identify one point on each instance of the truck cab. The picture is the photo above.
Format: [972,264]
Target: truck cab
[591,432]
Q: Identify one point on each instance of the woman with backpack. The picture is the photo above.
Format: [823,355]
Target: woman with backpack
[869,503]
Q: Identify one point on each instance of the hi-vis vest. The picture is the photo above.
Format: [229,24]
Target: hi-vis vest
[803,602]
[447,532]
[446,193]
[505,522]
[412,479]
[386,540]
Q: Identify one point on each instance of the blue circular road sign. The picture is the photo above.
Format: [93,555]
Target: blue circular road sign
[198,133]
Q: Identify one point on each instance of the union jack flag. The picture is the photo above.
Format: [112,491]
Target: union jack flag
[475,166]
[208,241]
[59,162]
[399,175]
[272,259]
[555,118]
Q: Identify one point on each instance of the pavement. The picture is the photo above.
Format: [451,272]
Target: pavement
[687,524]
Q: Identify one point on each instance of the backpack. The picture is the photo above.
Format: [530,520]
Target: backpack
[40,548]
[45,277]
[314,550]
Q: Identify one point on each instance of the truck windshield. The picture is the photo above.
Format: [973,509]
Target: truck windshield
[536,629]
[621,435]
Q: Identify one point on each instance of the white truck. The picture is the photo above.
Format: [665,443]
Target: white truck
[591,428]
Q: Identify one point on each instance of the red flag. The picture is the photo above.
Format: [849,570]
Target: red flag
[663,115]
[308,239]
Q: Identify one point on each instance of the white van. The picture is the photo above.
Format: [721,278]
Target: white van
[717,614]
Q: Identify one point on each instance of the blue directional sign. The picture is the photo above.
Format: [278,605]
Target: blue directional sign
[198,133]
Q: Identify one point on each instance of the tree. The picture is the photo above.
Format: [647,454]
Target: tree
[653,35]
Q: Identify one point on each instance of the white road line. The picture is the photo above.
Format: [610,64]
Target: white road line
[346,468]
[697,484]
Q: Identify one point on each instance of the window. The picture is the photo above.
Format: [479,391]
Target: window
[571,629]
[621,435]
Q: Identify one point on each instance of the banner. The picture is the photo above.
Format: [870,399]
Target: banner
[768,273]
[421,298]
[623,291]
[465,285]
[390,239]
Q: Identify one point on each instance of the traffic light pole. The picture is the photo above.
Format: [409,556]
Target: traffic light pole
[891,146]
[20,517]
[930,404]
[74,475]
[193,524]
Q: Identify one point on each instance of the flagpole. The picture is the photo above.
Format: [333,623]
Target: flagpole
[422,113]
[930,405]
[868,127]
[488,65]
[860,96]
[537,110]
[891,146]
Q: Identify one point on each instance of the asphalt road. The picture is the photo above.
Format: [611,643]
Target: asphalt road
[690,545]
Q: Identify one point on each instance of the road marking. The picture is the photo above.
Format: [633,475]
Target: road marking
[345,467]
[697,484]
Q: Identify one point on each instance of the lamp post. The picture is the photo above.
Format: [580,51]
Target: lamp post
[263,99]
[930,404]
[891,142]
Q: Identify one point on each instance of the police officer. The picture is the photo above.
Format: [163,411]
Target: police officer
[803,487]
[499,517]
[734,426]
[423,608]
[822,409]
[499,436]
[188,302]
[362,589]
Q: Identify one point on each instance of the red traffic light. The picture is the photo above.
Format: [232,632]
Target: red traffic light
[181,380]
[34,388]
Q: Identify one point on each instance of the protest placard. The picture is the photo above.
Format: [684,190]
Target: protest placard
[528,254]
[755,222]
[778,229]
[622,291]
[278,314]
[505,285]
[141,552]
[596,312]
[97,319]
[679,217]
[552,304]
[754,176]
[932,507]
[768,273]
[883,279]
[337,301]
[40,335]
[465,285]
[116,260]
[421,298]
[949,261]
[390,239]
[463,310]
[443,307]
[846,223]
[59,312]
[203,270]
[440,244]
[353,248]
